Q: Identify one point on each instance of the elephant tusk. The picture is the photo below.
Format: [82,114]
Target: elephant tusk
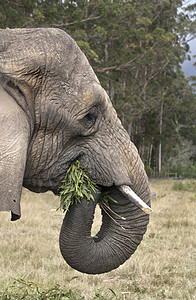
[129,193]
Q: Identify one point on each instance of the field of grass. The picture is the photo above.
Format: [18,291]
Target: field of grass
[163,267]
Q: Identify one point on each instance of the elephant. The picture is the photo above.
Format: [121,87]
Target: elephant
[53,111]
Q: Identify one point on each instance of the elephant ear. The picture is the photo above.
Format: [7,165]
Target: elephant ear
[14,138]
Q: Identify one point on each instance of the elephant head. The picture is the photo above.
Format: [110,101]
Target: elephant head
[53,111]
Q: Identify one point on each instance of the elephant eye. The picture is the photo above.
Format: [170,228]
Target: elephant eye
[90,118]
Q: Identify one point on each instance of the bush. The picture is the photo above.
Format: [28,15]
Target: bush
[187,171]
[179,186]
[190,170]
[149,171]
[189,186]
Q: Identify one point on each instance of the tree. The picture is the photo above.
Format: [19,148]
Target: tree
[136,49]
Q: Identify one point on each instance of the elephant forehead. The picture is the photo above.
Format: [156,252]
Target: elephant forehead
[93,94]
[37,52]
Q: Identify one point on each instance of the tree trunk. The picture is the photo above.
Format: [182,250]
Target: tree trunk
[160,131]
[150,155]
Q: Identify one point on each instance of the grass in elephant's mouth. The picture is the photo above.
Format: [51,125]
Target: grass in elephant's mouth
[77,185]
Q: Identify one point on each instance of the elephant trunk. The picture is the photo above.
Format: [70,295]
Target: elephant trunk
[116,241]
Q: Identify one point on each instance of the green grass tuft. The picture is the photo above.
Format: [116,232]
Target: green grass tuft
[75,186]
[187,186]
[22,289]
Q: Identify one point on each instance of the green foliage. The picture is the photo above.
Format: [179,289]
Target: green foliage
[162,196]
[187,171]
[179,186]
[105,198]
[190,170]
[149,171]
[189,186]
[22,289]
[85,47]
[75,186]
[193,198]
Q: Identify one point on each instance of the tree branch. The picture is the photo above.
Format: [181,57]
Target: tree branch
[75,22]
[125,65]
[154,75]
[103,70]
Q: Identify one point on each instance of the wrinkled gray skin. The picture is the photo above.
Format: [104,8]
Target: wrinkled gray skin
[52,112]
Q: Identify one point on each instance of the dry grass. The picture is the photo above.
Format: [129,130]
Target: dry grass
[163,267]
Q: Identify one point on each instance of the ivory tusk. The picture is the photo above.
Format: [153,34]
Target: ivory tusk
[129,193]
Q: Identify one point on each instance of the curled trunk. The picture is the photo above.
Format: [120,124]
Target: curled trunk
[113,244]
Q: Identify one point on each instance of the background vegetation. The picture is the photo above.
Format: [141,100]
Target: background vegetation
[136,49]
[163,267]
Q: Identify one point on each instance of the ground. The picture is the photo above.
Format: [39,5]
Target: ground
[163,267]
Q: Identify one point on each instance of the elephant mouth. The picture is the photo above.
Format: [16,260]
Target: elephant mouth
[126,190]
